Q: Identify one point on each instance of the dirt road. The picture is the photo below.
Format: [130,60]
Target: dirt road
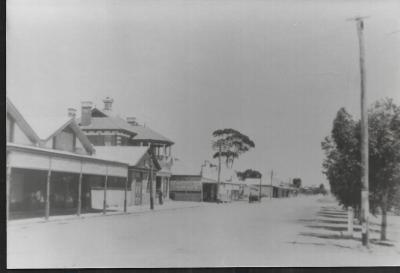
[301,231]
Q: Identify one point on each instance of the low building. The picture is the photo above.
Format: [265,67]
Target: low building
[277,189]
[255,184]
[283,190]
[192,188]
[51,169]
[188,186]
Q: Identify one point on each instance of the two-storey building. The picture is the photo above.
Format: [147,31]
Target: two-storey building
[121,138]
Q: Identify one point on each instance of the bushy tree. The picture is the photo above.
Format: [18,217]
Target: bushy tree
[230,144]
[297,182]
[343,156]
[249,173]
[342,160]
[322,190]
[384,157]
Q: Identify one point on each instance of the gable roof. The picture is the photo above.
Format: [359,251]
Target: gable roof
[129,154]
[48,127]
[20,120]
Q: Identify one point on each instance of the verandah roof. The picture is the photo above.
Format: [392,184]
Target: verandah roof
[30,157]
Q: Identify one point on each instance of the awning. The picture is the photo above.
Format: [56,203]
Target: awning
[27,157]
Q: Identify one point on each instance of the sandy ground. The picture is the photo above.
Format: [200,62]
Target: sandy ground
[301,231]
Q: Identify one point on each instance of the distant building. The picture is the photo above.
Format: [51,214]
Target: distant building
[202,186]
[254,186]
[106,129]
[192,188]
[278,189]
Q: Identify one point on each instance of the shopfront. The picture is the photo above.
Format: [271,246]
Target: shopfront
[43,182]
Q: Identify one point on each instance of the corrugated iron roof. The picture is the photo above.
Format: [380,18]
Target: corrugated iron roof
[129,154]
[117,123]
[107,123]
[145,133]
[60,152]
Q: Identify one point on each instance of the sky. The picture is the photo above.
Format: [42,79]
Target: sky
[277,71]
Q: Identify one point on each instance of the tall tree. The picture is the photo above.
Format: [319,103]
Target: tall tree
[230,144]
[342,162]
[384,127]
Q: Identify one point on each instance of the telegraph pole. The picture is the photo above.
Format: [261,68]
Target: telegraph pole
[259,195]
[272,187]
[219,169]
[364,136]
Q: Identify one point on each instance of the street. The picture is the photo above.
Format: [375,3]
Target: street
[299,231]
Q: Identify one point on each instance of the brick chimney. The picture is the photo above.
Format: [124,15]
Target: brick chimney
[108,104]
[132,121]
[72,113]
[86,118]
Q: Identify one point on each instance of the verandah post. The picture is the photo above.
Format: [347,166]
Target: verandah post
[9,172]
[125,193]
[47,209]
[105,192]
[80,192]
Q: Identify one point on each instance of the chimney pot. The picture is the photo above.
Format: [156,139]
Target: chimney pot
[108,103]
[87,104]
[131,121]
[71,112]
[86,110]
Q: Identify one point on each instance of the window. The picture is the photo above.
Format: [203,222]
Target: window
[107,140]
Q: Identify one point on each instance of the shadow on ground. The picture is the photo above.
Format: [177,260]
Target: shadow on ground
[339,228]
[330,225]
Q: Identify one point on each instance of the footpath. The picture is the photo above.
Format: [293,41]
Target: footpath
[167,205]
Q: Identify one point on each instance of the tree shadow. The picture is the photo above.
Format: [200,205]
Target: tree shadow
[337,212]
[328,236]
[324,221]
[333,210]
[339,229]
[317,244]
[332,215]
[337,222]
[344,237]
[381,243]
